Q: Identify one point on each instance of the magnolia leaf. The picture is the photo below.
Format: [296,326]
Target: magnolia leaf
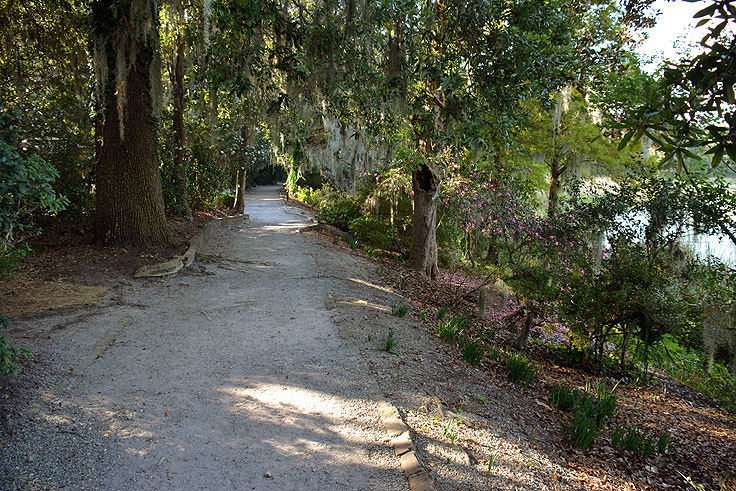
[709,10]
[717,157]
[625,140]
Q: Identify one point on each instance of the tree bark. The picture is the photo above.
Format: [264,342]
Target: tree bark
[554,185]
[240,191]
[180,171]
[423,254]
[129,209]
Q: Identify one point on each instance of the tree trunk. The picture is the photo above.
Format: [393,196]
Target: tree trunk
[180,171]
[129,206]
[525,329]
[240,191]
[423,255]
[554,185]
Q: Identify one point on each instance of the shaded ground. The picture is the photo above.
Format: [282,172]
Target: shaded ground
[244,372]
[229,375]
[69,269]
[464,418]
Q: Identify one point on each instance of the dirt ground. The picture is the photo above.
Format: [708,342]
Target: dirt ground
[69,269]
[228,375]
[465,419]
[245,371]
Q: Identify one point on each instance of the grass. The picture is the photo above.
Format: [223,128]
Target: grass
[581,430]
[521,369]
[562,397]
[495,353]
[492,460]
[390,342]
[451,330]
[449,431]
[591,409]
[399,310]
[639,442]
[473,352]
[441,313]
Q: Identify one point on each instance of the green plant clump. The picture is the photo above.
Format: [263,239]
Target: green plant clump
[521,369]
[473,352]
[639,442]
[495,353]
[399,310]
[562,397]
[9,354]
[451,330]
[391,341]
[590,412]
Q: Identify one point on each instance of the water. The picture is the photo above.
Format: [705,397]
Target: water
[720,247]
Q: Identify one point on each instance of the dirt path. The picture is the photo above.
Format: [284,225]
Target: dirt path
[230,375]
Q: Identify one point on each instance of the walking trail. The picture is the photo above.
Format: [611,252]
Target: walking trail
[229,375]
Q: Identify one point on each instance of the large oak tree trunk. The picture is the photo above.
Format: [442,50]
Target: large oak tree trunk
[180,171]
[423,254]
[129,206]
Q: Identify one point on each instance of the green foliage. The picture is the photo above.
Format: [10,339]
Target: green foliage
[638,441]
[562,397]
[451,330]
[689,367]
[663,442]
[26,182]
[449,431]
[692,106]
[372,230]
[495,353]
[473,352]
[9,354]
[390,342]
[590,411]
[206,179]
[339,209]
[399,310]
[581,430]
[491,461]
[641,288]
[441,313]
[521,369]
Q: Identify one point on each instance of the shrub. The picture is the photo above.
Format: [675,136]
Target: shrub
[372,230]
[521,369]
[335,207]
[25,188]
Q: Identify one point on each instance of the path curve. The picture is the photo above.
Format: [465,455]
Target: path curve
[230,375]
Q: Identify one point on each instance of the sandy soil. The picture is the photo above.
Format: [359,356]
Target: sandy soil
[229,375]
[246,371]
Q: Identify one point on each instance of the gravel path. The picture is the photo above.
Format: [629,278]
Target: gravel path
[229,375]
